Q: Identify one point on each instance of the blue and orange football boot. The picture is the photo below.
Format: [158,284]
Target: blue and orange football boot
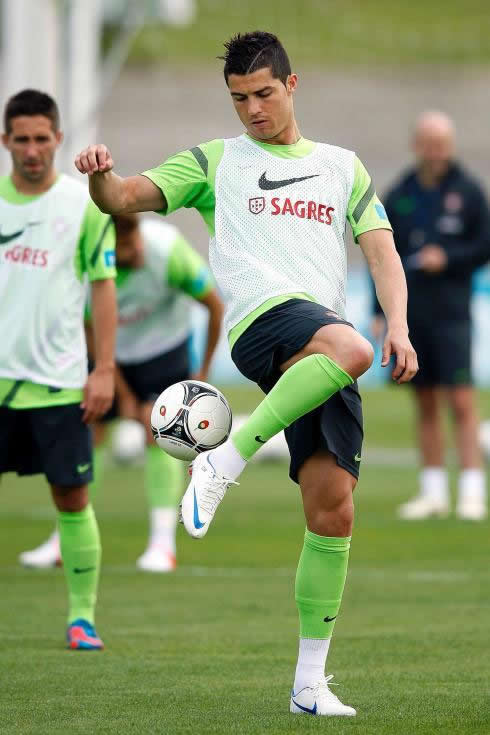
[81,636]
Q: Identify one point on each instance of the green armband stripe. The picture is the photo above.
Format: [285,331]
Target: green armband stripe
[12,392]
[362,204]
[96,253]
[201,159]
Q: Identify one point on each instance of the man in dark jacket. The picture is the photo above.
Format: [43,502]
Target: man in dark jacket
[441,223]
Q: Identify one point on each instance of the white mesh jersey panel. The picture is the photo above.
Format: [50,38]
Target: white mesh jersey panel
[41,320]
[280,226]
[153,317]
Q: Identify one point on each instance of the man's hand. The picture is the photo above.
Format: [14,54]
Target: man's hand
[98,394]
[432,259]
[94,159]
[397,343]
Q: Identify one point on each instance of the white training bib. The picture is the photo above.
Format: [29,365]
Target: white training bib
[153,317]
[280,226]
[42,296]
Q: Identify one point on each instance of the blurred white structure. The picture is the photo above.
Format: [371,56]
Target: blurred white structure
[54,45]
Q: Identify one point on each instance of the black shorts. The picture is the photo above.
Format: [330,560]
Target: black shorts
[443,351]
[272,339]
[52,441]
[149,378]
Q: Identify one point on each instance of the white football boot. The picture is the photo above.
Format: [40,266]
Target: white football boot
[471,510]
[157,559]
[204,493]
[319,700]
[422,507]
[46,555]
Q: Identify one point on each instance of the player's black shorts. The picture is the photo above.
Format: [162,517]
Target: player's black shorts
[443,351]
[147,379]
[52,441]
[272,339]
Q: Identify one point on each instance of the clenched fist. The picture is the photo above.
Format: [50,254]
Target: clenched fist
[94,159]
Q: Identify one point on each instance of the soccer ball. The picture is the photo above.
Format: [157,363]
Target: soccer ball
[128,441]
[190,417]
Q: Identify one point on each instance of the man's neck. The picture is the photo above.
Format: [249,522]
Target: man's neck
[33,188]
[429,180]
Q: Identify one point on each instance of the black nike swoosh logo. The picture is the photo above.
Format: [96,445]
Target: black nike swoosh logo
[264,183]
[329,620]
[258,439]
[4,239]
[77,570]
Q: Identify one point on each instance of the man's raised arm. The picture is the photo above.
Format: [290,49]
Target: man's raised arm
[113,194]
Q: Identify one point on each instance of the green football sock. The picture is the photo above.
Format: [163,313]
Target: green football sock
[305,386]
[320,580]
[163,478]
[81,553]
[98,471]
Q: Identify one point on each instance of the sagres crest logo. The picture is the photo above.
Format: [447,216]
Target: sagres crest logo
[256,205]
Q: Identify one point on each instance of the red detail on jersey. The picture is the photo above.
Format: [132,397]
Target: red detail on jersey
[256,205]
[304,210]
[27,256]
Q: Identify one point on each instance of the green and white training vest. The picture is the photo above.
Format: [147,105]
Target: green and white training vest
[42,288]
[154,316]
[280,226]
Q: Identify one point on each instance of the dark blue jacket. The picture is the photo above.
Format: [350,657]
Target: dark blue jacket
[454,216]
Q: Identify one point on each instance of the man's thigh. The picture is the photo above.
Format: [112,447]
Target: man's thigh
[336,427]
[149,378]
[18,452]
[444,353]
[64,444]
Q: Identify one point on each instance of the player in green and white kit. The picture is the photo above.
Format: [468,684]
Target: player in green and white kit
[276,206]
[52,238]
[157,273]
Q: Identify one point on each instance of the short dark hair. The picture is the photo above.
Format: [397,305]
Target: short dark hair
[248,52]
[31,102]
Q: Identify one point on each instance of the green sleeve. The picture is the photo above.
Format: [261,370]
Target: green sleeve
[96,253]
[365,211]
[188,179]
[187,271]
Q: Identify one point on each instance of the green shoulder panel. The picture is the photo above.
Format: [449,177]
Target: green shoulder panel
[187,271]
[187,179]
[96,252]
[365,211]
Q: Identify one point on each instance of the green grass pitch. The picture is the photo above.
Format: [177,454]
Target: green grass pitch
[212,648]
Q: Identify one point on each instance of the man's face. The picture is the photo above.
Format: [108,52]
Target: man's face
[263,104]
[32,143]
[434,149]
[129,243]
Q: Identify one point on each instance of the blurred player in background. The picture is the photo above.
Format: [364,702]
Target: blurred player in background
[52,237]
[157,272]
[441,222]
[276,206]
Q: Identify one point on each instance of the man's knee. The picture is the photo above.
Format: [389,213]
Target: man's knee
[333,519]
[345,346]
[462,403]
[70,499]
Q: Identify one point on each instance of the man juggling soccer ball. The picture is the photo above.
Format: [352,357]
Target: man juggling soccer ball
[276,205]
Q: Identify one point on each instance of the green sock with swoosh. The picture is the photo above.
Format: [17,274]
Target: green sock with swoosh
[320,580]
[81,553]
[305,386]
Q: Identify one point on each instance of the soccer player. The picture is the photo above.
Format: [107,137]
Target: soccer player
[442,225]
[52,237]
[276,205]
[157,272]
